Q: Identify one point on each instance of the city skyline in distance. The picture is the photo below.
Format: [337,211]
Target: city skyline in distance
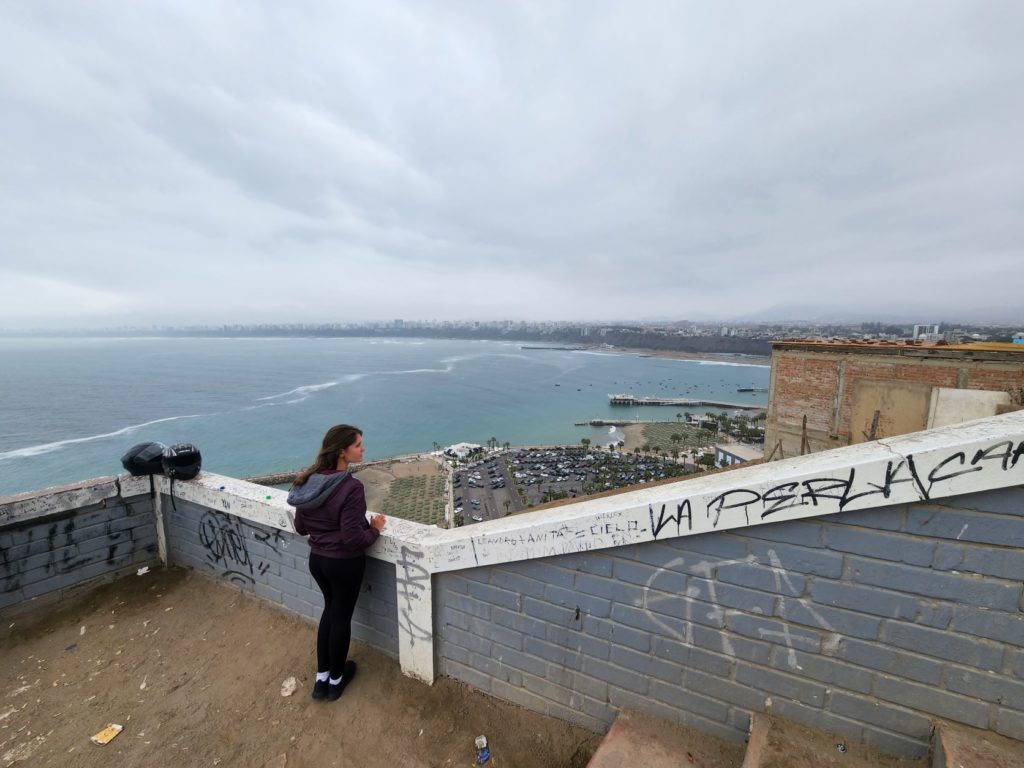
[630,331]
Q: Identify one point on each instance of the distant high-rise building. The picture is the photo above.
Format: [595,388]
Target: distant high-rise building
[925,329]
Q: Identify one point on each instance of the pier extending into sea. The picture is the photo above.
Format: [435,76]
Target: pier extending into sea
[684,402]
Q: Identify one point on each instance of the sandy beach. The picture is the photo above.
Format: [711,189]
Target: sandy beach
[672,355]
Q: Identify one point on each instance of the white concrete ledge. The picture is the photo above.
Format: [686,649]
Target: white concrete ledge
[269,506]
[65,498]
[964,458]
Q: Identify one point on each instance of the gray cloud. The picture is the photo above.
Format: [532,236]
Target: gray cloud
[319,162]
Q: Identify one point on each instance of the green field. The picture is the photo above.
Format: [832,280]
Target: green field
[420,499]
[659,435]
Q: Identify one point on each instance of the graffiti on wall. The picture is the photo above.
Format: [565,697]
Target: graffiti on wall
[224,537]
[702,606]
[55,548]
[413,582]
[837,493]
[903,478]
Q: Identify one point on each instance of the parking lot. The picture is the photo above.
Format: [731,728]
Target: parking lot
[510,481]
[483,491]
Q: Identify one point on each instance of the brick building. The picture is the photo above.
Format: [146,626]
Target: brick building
[826,394]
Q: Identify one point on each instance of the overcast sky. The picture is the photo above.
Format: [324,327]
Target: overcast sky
[204,162]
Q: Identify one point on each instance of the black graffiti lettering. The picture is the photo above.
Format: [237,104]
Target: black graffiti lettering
[1002,450]
[885,489]
[610,529]
[934,476]
[718,503]
[271,539]
[561,532]
[892,473]
[239,578]
[1017,454]
[779,496]
[12,570]
[225,543]
[917,477]
[662,521]
[826,488]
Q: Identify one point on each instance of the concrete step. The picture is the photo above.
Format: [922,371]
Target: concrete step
[778,743]
[958,746]
[640,741]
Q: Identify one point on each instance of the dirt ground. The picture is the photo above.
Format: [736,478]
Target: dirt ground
[643,741]
[792,746]
[193,671]
[377,477]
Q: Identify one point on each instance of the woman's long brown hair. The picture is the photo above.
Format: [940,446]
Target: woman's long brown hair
[337,439]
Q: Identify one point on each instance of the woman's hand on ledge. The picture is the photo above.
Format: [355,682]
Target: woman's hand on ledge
[378,522]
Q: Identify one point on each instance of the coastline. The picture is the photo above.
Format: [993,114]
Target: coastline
[720,357]
[76,446]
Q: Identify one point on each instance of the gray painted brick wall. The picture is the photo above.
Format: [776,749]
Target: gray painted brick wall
[47,554]
[866,624]
[274,565]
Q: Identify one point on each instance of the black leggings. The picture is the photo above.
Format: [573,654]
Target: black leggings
[339,579]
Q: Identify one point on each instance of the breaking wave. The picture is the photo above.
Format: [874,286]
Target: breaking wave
[36,450]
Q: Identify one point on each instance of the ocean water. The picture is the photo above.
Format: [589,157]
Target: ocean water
[69,408]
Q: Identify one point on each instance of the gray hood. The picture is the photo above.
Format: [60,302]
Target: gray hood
[316,490]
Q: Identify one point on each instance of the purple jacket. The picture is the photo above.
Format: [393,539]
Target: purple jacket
[331,510]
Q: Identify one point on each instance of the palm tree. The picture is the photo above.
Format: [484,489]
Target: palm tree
[678,415]
[508,503]
[585,442]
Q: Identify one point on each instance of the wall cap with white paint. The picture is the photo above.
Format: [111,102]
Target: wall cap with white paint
[58,499]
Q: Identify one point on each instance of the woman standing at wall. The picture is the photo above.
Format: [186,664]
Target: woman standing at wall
[330,507]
